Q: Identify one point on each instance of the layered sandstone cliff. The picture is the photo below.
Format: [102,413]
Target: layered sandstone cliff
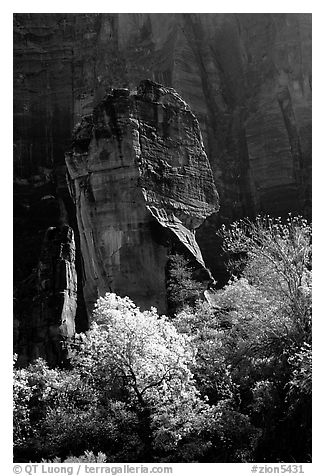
[140,180]
[247,78]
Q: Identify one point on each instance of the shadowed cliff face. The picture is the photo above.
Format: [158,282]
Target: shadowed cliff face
[140,180]
[45,306]
[247,78]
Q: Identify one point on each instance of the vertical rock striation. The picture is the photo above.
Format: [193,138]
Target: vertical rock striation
[140,180]
[246,77]
[47,303]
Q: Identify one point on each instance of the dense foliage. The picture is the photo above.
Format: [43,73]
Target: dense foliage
[228,380]
[182,289]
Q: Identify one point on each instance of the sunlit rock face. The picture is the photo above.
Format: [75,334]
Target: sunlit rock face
[140,180]
[246,77]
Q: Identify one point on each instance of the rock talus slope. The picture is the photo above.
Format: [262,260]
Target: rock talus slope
[140,180]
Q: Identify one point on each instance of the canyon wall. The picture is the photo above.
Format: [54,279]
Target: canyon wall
[140,180]
[246,78]
[46,302]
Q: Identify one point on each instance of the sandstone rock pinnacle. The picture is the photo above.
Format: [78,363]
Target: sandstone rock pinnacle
[141,181]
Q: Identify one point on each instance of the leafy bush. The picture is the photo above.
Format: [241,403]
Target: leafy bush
[254,343]
[224,381]
[22,393]
[130,395]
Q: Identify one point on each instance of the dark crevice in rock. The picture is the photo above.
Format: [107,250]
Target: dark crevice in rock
[47,301]
[81,317]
